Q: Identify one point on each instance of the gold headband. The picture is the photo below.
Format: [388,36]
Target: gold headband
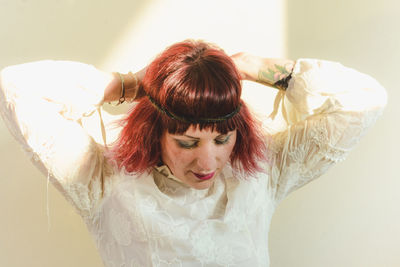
[193,120]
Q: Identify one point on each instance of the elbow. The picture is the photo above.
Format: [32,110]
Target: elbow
[382,97]
[377,96]
[7,81]
[4,85]
[370,97]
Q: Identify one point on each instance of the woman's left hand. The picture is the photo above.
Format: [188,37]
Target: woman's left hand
[247,65]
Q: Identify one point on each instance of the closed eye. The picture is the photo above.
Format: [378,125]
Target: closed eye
[221,141]
[187,144]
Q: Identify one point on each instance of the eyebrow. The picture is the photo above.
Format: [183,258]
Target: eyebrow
[196,138]
[191,137]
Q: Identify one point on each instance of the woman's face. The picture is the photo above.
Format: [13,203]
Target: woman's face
[197,157]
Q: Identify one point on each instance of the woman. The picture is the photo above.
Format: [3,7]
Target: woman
[193,179]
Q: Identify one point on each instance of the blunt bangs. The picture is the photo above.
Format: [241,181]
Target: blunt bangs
[178,127]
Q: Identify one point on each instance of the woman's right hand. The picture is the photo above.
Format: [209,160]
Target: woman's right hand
[132,85]
[132,81]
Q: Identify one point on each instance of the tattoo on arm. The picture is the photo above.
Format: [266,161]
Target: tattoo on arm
[272,75]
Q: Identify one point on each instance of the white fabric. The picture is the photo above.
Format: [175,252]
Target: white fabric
[154,220]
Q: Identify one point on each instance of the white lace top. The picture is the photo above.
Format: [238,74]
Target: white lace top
[155,220]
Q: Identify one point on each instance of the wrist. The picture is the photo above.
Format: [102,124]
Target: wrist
[275,72]
[112,91]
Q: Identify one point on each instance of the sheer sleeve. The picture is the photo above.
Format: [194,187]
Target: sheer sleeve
[328,108]
[42,104]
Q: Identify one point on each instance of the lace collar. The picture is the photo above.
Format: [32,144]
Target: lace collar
[165,171]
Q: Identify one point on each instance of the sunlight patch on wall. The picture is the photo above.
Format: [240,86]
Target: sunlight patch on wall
[254,26]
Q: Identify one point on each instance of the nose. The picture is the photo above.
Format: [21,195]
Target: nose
[207,159]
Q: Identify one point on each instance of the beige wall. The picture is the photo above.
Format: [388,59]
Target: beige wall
[349,217]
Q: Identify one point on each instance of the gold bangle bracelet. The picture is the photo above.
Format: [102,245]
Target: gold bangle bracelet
[122,97]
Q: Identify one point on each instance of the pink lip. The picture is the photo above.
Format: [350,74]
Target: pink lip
[204,176]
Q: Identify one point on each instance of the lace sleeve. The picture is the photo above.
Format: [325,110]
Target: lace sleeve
[328,109]
[45,120]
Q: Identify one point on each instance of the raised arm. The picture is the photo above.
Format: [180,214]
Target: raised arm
[328,108]
[42,104]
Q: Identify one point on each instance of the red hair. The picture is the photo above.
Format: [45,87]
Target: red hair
[195,80]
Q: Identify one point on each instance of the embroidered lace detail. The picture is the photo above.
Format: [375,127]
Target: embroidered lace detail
[79,195]
[120,227]
[205,248]
[132,263]
[175,262]
[138,232]
[210,248]
[237,220]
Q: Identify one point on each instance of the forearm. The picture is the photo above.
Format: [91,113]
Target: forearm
[320,86]
[275,72]
[42,104]
[267,71]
